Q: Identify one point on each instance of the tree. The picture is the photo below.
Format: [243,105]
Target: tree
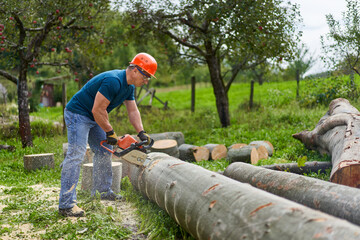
[301,63]
[46,32]
[227,36]
[342,43]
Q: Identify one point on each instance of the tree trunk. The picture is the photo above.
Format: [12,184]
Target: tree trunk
[294,168]
[337,134]
[193,94]
[222,101]
[297,83]
[211,206]
[24,118]
[340,201]
[251,101]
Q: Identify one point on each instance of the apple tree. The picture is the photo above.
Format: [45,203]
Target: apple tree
[342,43]
[37,33]
[227,36]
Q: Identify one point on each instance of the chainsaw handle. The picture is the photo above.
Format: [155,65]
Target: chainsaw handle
[101,144]
[143,144]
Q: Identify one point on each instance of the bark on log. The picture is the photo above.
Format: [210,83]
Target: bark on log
[237,145]
[217,207]
[294,168]
[337,134]
[168,146]
[247,154]
[266,144]
[193,153]
[337,200]
[38,161]
[217,151]
[178,136]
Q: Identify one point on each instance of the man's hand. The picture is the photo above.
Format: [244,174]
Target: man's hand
[111,138]
[144,136]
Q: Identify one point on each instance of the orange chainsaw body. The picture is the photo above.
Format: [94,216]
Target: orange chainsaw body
[126,141]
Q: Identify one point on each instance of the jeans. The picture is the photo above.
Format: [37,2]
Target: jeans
[82,130]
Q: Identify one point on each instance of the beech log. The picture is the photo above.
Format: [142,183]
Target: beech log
[269,147]
[337,200]
[217,151]
[168,146]
[294,168]
[338,135]
[211,206]
[237,145]
[247,154]
[193,153]
[178,136]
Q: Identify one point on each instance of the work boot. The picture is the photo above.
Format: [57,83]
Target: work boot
[111,196]
[75,211]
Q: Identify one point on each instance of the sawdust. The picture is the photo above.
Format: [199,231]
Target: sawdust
[129,218]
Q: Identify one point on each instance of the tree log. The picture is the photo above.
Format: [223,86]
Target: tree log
[178,136]
[269,147]
[294,168]
[193,153]
[337,134]
[337,200]
[217,207]
[217,151]
[237,145]
[38,161]
[247,154]
[168,146]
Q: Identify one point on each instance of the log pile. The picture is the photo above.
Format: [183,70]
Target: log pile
[337,200]
[217,207]
[337,134]
[250,153]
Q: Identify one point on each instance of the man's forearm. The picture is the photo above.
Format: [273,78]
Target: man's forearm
[102,119]
[135,120]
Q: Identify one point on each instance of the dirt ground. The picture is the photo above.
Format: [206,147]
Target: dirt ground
[25,231]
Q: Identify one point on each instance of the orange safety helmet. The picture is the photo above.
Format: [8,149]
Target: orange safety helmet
[146,62]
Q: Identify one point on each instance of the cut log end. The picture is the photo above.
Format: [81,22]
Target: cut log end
[349,176]
[201,153]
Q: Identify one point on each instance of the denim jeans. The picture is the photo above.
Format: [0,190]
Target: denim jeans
[82,130]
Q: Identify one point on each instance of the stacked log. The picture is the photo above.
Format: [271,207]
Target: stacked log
[337,200]
[168,146]
[217,207]
[217,151]
[337,134]
[192,153]
[251,153]
[309,167]
[177,136]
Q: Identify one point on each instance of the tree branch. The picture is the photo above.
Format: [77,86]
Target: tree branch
[56,64]
[8,76]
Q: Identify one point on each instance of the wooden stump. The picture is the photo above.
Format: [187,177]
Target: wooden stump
[168,146]
[269,147]
[178,136]
[247,154]
[38,161]
[87,176]
[192,153]
[217,151]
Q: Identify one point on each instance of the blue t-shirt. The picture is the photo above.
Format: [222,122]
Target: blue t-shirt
[112,84]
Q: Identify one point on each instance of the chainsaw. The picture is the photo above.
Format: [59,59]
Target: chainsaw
[130,150]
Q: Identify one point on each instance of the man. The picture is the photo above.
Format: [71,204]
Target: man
[87,121]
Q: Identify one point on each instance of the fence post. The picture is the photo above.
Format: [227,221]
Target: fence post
[192,94]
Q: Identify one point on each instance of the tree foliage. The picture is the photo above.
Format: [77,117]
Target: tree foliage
[341,45]
[227,36]
[48,33]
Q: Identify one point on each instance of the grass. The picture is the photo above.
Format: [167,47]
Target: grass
[276,117]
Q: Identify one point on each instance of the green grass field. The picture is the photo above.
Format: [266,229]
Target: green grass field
[276,116]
